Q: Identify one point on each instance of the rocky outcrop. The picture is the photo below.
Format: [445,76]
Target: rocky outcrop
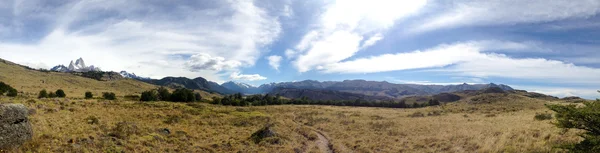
[15,128]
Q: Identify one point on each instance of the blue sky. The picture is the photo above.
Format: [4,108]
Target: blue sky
[548,46]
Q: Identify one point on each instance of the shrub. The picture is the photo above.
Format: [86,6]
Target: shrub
[89,95]
[109,96]
[51,95]
[542,116]
[150,95]
[198,97]
[183,95]
[12,93]
[584,118]
[43,94]
[60,93]
[163,94]
[7,88]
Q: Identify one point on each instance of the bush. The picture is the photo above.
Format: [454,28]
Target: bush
[12,93]
[198,97]
[542,116]
[52,95]
[584,118]
[163,94]
[60,93]
[151,95]
[43,94]
[109,96]
[183,95]
[7,88]
[89,95]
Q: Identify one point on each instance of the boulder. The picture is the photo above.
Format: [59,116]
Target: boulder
[15,128]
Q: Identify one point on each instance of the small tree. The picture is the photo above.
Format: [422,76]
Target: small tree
[89,95]
[43,94]
[198,97]
[150,95]
[163,94]
[60,93]
[434,102]
[585,118]
[109,96]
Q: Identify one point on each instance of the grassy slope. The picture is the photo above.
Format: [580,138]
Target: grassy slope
[30,82]
[502,126]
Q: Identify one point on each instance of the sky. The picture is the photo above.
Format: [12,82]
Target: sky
[547,46]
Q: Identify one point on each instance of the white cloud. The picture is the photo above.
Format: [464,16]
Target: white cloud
[203,61]
[459,13]
[437,57]
[246,77]
[371,41]
[344,25]
[274,61]
[470,59]
[230,34]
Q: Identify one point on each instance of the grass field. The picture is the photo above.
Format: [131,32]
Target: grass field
[78,125]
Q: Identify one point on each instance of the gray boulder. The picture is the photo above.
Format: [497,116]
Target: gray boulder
[15,128]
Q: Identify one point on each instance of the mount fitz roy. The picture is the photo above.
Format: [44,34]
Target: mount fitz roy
[77,66]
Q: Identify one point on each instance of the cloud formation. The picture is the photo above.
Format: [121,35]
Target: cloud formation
[345,27]
[471,59]
[274,61]
[246,77]
[458,13]
[218,36]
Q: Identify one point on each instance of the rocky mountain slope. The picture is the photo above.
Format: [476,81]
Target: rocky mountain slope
[78,66]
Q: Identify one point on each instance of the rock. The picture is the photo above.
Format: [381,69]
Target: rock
[15,128]
[265,132]
[164,131]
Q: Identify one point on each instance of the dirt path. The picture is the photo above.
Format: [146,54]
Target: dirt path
[323,143]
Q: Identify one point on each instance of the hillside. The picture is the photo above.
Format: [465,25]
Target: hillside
[320,94]
[30,82]
[198,83]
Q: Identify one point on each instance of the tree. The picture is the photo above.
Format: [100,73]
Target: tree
[151,95]
[182,95]
[43,94]
[584,118]
[434,102]
[163,94]
[89,95]
[12,93]
[198,97]
[60,93]
[109,96]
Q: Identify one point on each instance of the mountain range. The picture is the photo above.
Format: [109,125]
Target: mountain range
[316,90]
[78,66]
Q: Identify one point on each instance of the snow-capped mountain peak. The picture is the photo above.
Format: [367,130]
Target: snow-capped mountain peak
[126,74]
[77,66]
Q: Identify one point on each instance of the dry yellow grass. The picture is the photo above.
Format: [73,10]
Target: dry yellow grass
[61,125]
